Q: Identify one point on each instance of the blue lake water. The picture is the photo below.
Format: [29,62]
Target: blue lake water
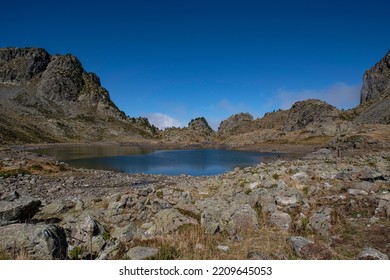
[195,162]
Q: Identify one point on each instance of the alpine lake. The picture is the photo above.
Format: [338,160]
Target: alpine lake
[134,159]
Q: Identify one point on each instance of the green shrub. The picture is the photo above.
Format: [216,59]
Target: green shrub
[106,236]
[75,253]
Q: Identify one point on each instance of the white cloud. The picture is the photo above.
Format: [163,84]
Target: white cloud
[340,95]
[163,121]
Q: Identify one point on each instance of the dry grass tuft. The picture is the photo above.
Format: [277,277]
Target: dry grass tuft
[192,243]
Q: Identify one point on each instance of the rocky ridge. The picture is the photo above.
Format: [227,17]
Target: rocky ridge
[198,131]
[51,98]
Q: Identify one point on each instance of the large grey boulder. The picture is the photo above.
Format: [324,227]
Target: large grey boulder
[39,241]
[18,209]
[169,220]
[220,216]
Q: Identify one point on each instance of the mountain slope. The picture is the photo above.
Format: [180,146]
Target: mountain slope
[47,98]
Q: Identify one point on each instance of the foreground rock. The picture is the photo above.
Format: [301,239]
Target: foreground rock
[38,241]
[307,249]
[141,253]
[17,209]
[372,254]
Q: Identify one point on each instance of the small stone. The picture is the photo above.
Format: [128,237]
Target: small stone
[98,243]
[141,253]
[11,196]
[223,248]
[253,185]
[300,176]
[357,192]
[369,253]
[365,186]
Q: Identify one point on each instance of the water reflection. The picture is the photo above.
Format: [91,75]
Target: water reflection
[168,162]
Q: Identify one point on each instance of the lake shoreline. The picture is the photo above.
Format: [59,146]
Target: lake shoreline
[132,159]
[297,149]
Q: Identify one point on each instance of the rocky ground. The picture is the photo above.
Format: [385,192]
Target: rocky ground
[316,207]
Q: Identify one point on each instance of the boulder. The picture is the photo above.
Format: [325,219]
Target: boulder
[297,243]
[369,253]
[125,234]
[383,208]
[98,243]
[18,209]
[110,253]
[220,216]
[141,253]
[321,221]
[223,248]
[307,249]
[55,209]
[38,241]
[86,229]
[356,192]
[169,220]
[365,186]
[281,220]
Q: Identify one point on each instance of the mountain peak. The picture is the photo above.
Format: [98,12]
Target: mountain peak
[376,80]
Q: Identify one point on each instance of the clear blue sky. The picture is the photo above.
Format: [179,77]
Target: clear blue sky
[176,60]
